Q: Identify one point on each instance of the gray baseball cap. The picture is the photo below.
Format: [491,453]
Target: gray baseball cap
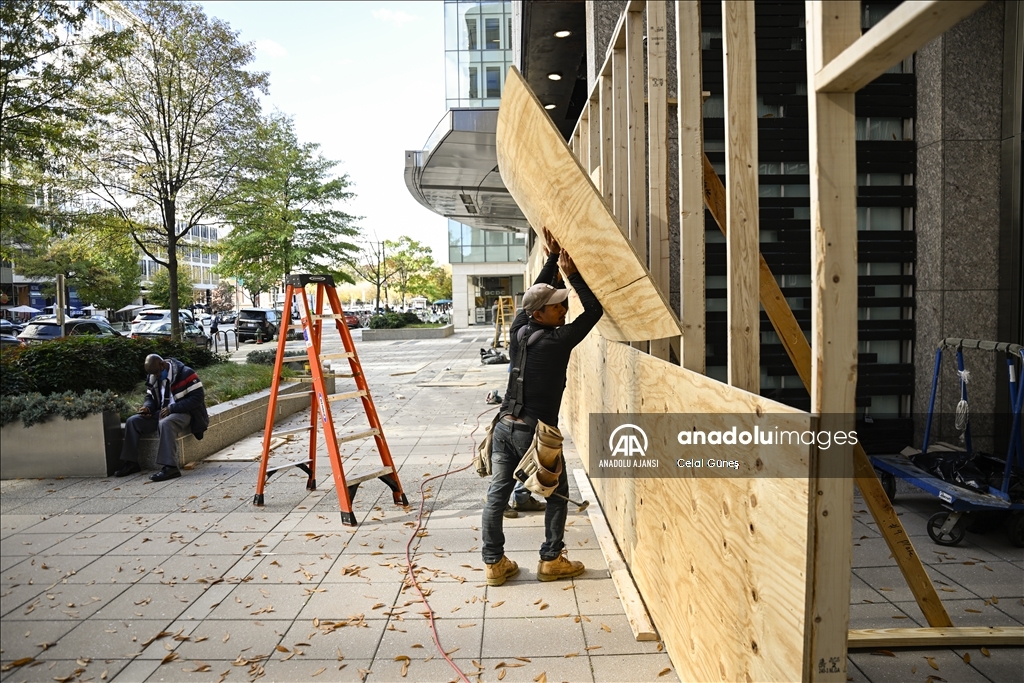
[541,295]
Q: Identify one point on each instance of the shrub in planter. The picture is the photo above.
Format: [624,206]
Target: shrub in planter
[268,357]
[78,364]
[411,318]
[388,321]
[35,408]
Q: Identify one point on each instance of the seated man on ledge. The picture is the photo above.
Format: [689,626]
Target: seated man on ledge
[174,402]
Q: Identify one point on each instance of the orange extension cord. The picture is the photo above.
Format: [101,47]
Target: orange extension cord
[408,558]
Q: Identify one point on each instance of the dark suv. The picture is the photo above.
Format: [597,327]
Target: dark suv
[38,331]
[250,321]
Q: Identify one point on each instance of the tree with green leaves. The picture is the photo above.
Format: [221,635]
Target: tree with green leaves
[285,216]
[372,265]
[435,283]
[160,288]
[49,66]
[407,258]
[180,104]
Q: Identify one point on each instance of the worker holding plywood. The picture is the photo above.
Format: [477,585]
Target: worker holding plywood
[540,345]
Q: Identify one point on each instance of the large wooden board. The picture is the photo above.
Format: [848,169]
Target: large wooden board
[721,563]
[553,191]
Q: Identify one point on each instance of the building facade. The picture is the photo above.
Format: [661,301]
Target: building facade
[456,175]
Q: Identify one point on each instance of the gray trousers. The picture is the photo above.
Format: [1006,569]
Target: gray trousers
[169,428]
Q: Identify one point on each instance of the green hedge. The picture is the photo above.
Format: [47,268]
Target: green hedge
[34,408]
[269,357]
[393,321]
[79,364]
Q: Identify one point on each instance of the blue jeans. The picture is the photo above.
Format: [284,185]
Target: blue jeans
[508,447]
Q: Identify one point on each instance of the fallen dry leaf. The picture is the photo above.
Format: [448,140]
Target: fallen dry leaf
[883,653]
[665,671]
[985,652]
[542,677]
[170,657]
[319,671]
[606,627]
[967,658]
[931,663]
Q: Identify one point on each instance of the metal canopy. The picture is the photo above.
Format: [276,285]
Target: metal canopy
[456,175]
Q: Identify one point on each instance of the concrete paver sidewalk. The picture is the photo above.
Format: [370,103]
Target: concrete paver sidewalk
[123,579]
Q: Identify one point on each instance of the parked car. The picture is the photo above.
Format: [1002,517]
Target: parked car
[41,330]
[227,318]
[10,328]
[159,330]
[8,340]
[158,315]
[352,321]
[257,320]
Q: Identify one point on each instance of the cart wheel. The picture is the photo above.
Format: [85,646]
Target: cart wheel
[888,484]
[952,537]
[1015,529]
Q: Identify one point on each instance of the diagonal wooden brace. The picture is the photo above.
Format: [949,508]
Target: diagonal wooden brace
[799,351]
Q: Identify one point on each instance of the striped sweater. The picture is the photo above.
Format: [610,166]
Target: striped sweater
[189,396]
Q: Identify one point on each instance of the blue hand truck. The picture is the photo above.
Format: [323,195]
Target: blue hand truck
[950,526]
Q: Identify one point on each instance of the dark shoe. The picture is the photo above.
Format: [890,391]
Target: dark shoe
[509,513]
[166,473]
[128,468]
[531,504]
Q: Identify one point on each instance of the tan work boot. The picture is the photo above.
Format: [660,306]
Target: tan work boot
[501,570]
[559,568]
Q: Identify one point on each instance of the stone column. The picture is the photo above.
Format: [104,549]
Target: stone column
[959,106]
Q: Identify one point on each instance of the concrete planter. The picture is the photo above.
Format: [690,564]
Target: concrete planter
[92,447]
[409,333]
[59,447]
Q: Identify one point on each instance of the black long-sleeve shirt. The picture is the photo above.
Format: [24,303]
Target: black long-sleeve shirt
[548,358]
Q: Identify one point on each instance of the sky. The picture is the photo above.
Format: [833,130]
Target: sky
[365,80]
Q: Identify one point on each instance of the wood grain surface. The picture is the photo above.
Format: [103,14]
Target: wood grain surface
[554,191]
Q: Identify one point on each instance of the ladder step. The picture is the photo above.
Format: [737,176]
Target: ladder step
[359,435]
[301,394]
[328,316]
[286,432]
[287,465]
[342,397]
[296,326]
[332,356]
[353,481]
[308,378]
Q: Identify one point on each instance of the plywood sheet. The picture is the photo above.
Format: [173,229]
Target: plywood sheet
[721,563]
[554,191]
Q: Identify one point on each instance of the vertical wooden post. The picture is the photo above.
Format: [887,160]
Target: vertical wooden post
[691,184]
[636,153]
[657,115]
[741,236]
[583,148]
[831,26]
[594,124]
[607,135]
[618,172]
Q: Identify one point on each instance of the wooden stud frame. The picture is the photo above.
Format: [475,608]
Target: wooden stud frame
[792,598]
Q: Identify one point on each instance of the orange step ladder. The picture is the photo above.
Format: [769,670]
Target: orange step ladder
[312,327]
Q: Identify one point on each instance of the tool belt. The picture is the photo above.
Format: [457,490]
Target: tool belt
[541,467]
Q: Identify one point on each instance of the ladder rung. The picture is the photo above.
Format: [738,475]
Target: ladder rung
[352,481]
[342,397]
[308,378]
[332,356]
[286,432]
[287,465]
[301,394]
[328,316]
[359,435]
[296,326]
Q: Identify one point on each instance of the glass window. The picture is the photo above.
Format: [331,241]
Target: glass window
[455,254]
[451,26]
[497,253]
[492,34]
[472,40]
[474,83]
[474,236]
[493,81]
[496,237]
[454,233]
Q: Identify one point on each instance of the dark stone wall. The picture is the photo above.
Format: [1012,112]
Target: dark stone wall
[958,131]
